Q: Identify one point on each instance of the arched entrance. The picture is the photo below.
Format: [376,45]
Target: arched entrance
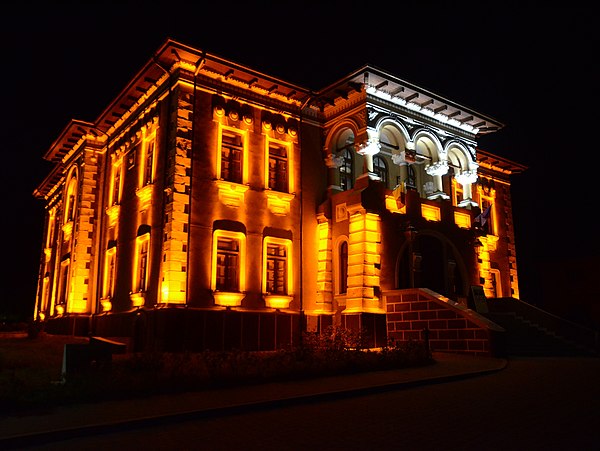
[431,261]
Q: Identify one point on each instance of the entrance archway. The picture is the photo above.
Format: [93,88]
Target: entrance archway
[433,262]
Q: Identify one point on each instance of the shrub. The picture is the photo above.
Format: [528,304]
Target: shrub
[335,351]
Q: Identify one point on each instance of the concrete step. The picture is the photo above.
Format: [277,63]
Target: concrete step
[527,338]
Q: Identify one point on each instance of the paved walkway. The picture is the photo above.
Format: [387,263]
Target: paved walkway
[83,419]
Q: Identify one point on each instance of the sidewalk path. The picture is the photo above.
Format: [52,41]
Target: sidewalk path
[83,419]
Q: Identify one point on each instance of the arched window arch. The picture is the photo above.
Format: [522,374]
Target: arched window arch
[70,199]
[380,168]
[343,156]
[430,166]
[392,139]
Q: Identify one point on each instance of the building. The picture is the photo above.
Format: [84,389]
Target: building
[214,206]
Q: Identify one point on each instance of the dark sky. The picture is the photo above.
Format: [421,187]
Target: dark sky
[533,69]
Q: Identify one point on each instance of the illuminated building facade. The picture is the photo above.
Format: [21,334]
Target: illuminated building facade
[213,206]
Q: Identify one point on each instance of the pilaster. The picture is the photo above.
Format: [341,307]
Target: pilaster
[364,262]
[177,204]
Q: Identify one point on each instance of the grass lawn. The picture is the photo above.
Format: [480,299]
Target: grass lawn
[30,366]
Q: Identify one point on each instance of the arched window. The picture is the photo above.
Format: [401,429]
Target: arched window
[343,267]
[148,176]
[343,153]
[380,168]
[142,245]
[70,200]
[347,170]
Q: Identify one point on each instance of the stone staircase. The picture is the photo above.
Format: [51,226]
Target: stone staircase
[531,331]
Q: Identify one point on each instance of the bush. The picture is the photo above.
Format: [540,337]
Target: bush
[335,351]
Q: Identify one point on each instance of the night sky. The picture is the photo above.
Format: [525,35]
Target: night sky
[535,70]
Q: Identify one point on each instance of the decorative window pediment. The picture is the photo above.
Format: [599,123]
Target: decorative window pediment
[278,202]
[231,194]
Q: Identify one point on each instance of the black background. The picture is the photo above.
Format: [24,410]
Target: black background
[533,69]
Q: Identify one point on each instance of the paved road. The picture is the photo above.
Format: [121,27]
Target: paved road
[534,404]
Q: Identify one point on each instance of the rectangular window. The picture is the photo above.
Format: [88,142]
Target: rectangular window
[116,184]
[50,229]
[143,246]
[343,262]
[457,192]
[232,149]
[228,264]
[277,276]
[64,283]
[149,161]
[487,213]
[110,272]
[278,167]
[346,170]
[496,283]
[227,272]
[71,208]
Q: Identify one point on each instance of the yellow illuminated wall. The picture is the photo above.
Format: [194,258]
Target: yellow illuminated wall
[430,212]
[81,194]
[462,219]
[363,263]
[173,280]
[324,268]
[146,179]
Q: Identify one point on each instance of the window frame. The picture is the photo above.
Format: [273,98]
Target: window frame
[278,169]
[345,175]
[116,183]
[148,161]
[241,270]
[484,202]
[341,266]
[384,165]
[64,282]
[141,283]
[110,272]
[243,172]
[289,175]
[70,199]
[288,276]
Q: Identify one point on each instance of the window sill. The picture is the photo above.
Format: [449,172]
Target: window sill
[279,202]
[144,193]
[137,299]
[231,194]
[113,213]
[228,298]
[67,229]
[277,301]
[106,304]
